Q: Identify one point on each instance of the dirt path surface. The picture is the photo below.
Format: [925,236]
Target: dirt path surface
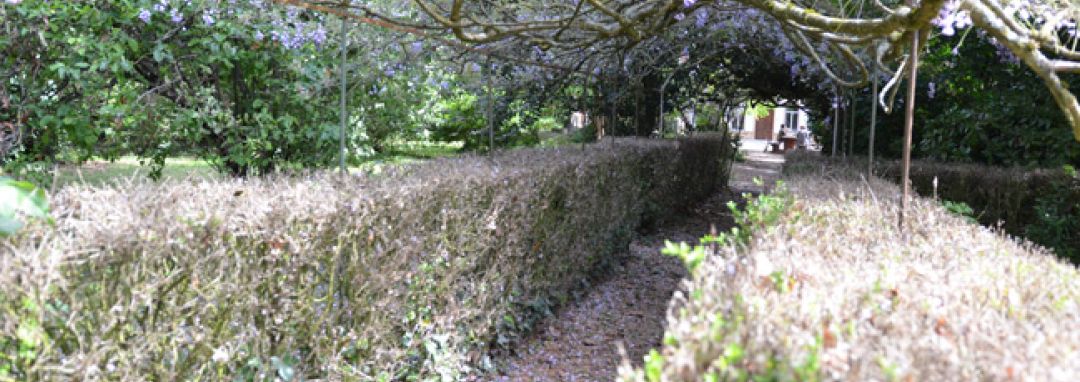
[628,306]
[757,165]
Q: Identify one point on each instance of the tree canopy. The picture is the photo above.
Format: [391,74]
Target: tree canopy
[845,40]
[253,85]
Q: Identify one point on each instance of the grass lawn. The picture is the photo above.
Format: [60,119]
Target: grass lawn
[404,152]
[100,172]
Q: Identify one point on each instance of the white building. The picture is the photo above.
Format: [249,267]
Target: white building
[768,127]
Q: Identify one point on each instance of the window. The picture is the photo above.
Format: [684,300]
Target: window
[791,119]
[735,118]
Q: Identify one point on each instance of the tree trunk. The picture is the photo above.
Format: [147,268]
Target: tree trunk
[648,105]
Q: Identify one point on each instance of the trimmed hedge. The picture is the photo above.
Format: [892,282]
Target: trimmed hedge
[1041,205]
[818,284]
[413,274]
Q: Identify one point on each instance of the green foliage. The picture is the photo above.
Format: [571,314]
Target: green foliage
[759,110]
[764,210]
[1057,215]
[981,110]
[19,199]
[692,257]
[654,366]
[960,209]
[92,79]
[461,120]
[112,84]
[760,212]
[585,134]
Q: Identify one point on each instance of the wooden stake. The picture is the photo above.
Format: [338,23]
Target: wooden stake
[836,120]
[909,121]
[614,114]
[851,125]
[873,125]
[344,110]
[489,110]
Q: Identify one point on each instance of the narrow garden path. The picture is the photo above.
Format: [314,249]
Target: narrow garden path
[628,306]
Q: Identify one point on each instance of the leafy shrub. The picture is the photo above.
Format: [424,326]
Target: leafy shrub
[19,199]
[960,209]
[585,134]
[413,274]
[832,290]
[1057,213]
[973,107]
[461,120]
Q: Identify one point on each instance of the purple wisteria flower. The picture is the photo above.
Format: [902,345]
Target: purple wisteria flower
[951,18]
[318,36]
[931,90]
[701,18]
[144,15]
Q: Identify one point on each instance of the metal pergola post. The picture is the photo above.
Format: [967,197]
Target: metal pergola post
[660,124]
[851,125]
[909,121]
[836,119]
[344,111]
[873,125]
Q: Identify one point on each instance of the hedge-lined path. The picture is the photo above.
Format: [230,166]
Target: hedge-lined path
[628,305]
[757,165]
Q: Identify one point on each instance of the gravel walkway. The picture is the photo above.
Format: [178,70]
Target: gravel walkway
[627,307]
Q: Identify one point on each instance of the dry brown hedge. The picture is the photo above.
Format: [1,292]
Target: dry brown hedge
[415,273]
[998,194]
[829,289]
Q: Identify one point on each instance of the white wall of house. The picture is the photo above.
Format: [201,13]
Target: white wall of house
[748,125]
[798,115]
[749,122]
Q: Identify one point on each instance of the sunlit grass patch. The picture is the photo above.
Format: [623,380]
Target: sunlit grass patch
[101,172]
[403,152]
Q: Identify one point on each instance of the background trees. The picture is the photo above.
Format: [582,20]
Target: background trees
[978,105]
[251,85]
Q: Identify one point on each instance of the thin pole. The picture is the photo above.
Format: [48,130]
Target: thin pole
[489,110]
[873,125]
[637,109]
[491,120]
[344,112]
[836,120]
[614,114]
[851,125]
[661,122]
[909,121]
